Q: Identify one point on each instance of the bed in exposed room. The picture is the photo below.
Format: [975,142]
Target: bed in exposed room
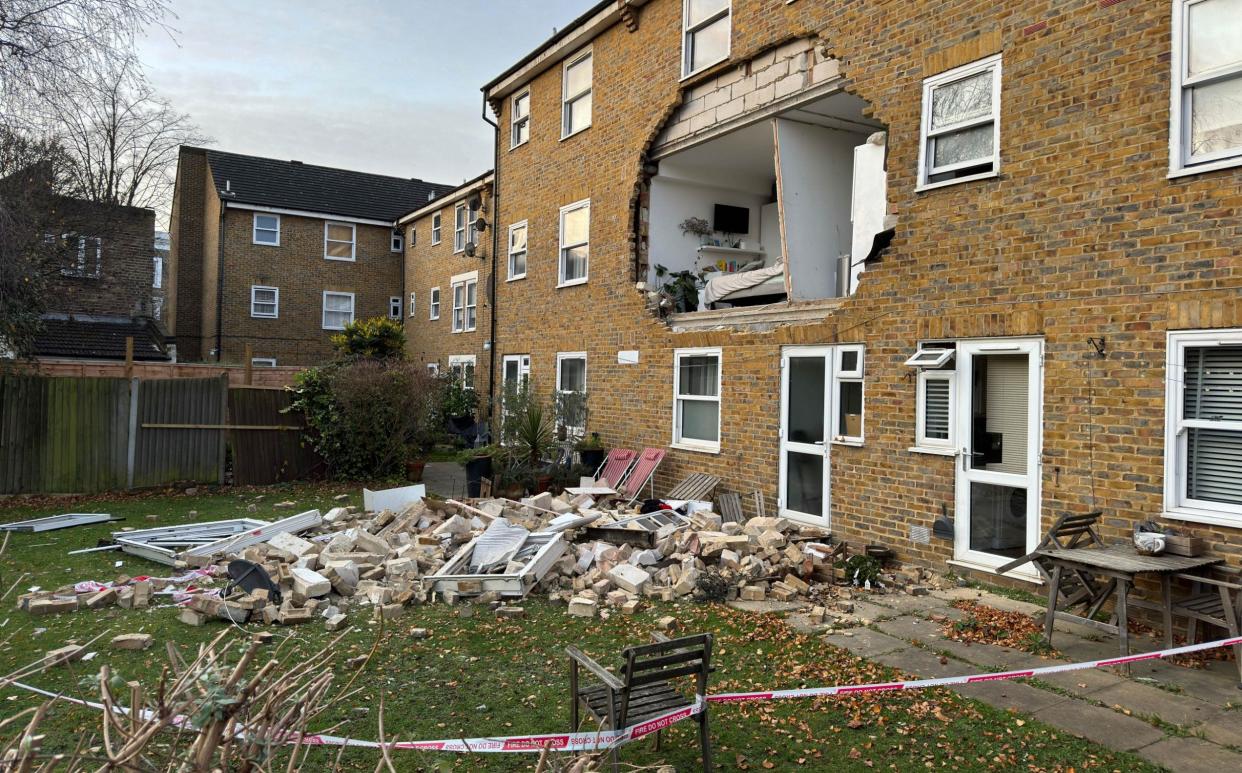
[741,285]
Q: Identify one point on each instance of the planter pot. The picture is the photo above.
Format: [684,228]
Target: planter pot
[543,483]
[414,470]
[476,471]
[592,458]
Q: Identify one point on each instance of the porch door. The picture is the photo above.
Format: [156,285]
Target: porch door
[999,422]
[514,373]
[806,378]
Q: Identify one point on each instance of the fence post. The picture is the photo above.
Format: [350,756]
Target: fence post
[133,432]
[224,419]
[249,364]
[129,356]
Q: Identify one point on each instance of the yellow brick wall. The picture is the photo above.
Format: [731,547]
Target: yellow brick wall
[1081,234]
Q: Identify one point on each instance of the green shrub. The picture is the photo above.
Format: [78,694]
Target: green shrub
[377,338]
[368,417]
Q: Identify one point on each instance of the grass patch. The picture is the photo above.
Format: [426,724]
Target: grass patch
[480,675]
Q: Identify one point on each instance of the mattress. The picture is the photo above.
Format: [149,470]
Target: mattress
[744,284]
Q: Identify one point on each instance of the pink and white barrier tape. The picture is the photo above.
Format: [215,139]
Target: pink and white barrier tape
[608,739]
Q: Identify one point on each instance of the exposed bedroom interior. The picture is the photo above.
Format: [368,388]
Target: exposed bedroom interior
[785,208]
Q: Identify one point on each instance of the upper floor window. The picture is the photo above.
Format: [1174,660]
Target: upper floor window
[517,250]
[1206,127]
[706,28]
[459,227]
[157,278]
[433,305]
[1203,410]
[411,236]
[338,240]
[575,243]
[435,228]
[338,310]
[465,302]
[83,255]
[961,124]
[394,307]
[412,306]
[398,241]
[576,94]
[265,302]
[266,229]
[520,120]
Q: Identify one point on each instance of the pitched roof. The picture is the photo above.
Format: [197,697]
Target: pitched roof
[98,338]
[270,182]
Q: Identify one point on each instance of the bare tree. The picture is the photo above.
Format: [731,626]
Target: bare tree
[44,44]
[122,139]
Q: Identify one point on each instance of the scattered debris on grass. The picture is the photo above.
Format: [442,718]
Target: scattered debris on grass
[988,625]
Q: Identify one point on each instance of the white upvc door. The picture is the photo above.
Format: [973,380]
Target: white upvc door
[999,414]
[805,433]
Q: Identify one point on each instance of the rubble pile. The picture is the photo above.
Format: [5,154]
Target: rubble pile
[595,559]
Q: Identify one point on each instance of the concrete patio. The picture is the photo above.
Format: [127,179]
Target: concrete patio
[1182,718]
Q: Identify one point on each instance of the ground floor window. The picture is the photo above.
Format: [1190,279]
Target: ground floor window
[263,362]
[571,391]
[935,414]
[1203,409]
[462,368]
[696,399]
[338,310]
[394,307]
[848,387]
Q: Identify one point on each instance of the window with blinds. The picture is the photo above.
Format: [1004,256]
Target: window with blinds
[1212,423]
[935,410]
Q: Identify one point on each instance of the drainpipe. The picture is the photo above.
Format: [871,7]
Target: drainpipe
[491,364]
[220,285]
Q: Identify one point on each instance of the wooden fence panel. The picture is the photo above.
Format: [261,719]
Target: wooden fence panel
[62,435]
[262,456]
[193,449]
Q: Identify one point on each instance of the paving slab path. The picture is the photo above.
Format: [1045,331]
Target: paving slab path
[1181,718]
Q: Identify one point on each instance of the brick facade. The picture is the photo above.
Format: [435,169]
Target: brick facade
[430,265]
[119,269]
[1081,234]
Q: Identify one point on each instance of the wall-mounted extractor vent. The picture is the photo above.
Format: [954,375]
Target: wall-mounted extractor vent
[920,535]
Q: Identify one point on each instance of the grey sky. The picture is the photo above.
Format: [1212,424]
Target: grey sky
[374,85]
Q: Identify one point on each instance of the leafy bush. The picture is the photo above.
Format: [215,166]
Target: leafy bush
[368,417]
[456,400]
[377,338]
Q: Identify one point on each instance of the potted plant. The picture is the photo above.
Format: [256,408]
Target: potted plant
[591,451]
[696,226]
[478,464]
[680,287]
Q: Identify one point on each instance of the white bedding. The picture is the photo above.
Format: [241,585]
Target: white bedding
[720,287]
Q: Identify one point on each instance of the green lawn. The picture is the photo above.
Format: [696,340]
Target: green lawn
[478,675]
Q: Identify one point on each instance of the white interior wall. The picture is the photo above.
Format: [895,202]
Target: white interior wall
[673,200]
[815,183]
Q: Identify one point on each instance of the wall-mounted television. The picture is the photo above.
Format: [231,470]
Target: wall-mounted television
[731,220]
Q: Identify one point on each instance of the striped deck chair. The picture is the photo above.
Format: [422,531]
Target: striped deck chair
[615,466]
[641,474]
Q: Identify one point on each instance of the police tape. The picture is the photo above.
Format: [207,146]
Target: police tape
[608,739]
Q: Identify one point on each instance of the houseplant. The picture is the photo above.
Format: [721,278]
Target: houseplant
[696,226]
[680,287]
[591,451]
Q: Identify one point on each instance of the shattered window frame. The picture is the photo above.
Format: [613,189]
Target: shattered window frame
[1183,159]
[932,176]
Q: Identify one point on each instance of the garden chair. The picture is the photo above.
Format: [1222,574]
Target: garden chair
[615,466]
[697,486]
[646,687]
[1214,599]
[641,474]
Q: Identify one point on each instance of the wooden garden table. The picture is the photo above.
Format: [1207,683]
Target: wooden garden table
[1110,571]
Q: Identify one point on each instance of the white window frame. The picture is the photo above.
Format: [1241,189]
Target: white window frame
[461,224]
[567,99]
[923,443]
[516,122]
[560,258]
[394,307]
[576,431]
[413,309]
[433,310]
[925,140]
[841,376]
[1181,160]
[254,229]
[324,307]
[80,267]
[353,241]
[275,302]
[692,444]
[688,33]
[398,241]
[512,252]
[262,362]
[411,236]
[461,322]
[157,275]
[437,223]
[1176,505]
[433,368]
[463,360]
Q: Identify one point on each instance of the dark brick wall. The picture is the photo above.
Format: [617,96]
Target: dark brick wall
[126,268]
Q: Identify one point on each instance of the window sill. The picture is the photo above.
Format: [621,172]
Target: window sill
[687,76]
[341,260]
[1208,517]
[575,133]
[852,442]
[264,316]
[934,451]
[520,144]
[516,278]
[701,449]
[265,244]
[572,283]
[946,183]
[1209,166]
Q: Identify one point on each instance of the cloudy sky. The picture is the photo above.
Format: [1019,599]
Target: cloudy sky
[386,86]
